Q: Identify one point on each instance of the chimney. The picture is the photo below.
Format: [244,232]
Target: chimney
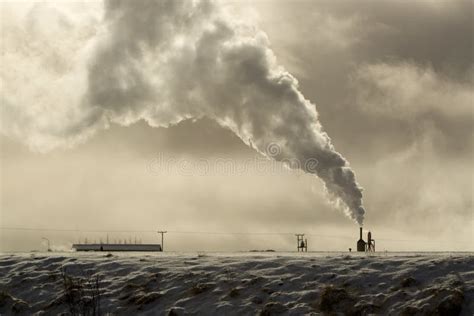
[361,244]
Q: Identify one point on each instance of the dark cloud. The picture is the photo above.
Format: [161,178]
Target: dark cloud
[432,36]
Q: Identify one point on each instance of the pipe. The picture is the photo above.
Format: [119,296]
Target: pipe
[361,233]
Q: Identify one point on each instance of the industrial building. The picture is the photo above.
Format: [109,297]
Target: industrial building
[368,246]
[116,247]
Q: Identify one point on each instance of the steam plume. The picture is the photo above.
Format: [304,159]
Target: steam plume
[168,61]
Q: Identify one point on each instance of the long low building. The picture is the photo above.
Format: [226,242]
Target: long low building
[117,247]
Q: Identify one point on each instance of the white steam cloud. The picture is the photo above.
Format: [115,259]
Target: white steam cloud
[162,62]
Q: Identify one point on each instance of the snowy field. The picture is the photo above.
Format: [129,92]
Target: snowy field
[237,283]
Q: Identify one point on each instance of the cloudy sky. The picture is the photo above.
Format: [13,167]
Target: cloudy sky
[392,82]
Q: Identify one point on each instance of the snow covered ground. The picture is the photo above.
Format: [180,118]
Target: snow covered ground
[238,283]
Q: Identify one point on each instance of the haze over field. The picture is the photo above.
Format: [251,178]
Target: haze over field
[116,121]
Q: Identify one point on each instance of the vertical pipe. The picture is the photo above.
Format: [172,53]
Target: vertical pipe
[361,233]
[162,244]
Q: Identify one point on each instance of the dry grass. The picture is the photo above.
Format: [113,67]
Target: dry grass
[82,294]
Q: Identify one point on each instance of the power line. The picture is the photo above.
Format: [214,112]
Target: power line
[141,231]
[227,233]
[74,230]
[169,231]
[217,233]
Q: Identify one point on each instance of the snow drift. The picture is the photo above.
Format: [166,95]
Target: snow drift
[239,284]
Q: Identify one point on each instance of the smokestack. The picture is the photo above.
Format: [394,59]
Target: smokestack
[361,243]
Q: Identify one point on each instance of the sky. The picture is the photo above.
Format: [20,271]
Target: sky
[391,83]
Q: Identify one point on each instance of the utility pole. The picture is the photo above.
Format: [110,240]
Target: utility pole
[162,232]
